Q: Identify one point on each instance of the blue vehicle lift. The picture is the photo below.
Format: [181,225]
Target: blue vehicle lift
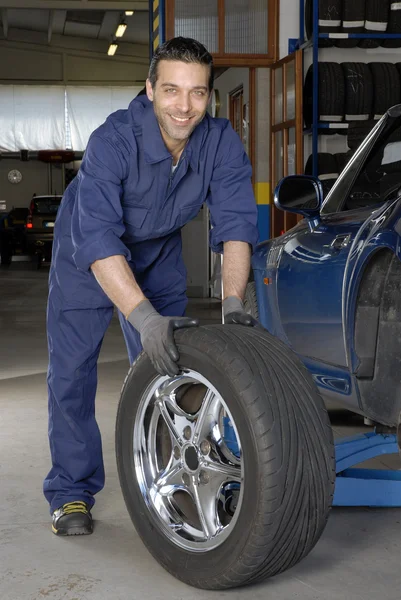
[354,487]
[366,487]
[313,43]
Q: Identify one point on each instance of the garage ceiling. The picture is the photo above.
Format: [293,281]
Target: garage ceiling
[89,19]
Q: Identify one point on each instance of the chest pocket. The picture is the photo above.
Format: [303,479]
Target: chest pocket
[136,219]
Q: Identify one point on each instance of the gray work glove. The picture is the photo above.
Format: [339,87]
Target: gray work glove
[235,314]
[157,336]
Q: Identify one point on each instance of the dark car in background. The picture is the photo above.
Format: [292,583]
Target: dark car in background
[12,234]
[39,226]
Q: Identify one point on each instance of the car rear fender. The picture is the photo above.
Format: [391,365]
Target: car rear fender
[374,334]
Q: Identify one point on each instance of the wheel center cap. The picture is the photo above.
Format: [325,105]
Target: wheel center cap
[191,458]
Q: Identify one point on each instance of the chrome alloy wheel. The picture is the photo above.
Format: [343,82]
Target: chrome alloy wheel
[190,472]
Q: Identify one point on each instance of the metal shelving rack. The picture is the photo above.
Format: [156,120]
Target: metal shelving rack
[313,43]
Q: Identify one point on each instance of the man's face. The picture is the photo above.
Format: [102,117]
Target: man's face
[180,98]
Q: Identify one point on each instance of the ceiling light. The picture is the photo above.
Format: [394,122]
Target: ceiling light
[129,13]
[121,30]
[112,49]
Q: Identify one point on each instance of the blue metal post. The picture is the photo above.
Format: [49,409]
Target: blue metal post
[162,21]
[301,23]
[315,97]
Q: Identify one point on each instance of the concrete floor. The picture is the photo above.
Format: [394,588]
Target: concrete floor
[358,556]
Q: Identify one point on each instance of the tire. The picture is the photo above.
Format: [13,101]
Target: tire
[357,131]
[251,301]
[326,165]
[309,22]
[358,91]
[331,93]
[327,170]
[394,25]
[287,458]
[376,21]
[342,159]
[387,87]
[353,21]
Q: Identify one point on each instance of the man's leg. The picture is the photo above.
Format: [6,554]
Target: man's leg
[74,338]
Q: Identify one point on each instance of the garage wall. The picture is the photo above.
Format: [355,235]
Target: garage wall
[70,61]
[35,180]
[227,82]
[289,23]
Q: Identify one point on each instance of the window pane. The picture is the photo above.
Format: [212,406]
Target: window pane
[279,156]
[198,20]
[291,152]
[246,27]
[290,74]
[278,96]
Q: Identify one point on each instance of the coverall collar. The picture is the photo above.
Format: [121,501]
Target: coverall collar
[154,147]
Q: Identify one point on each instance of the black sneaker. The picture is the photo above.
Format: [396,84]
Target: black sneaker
[73,518]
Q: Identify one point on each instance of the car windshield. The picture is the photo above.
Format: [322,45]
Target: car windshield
[373,173]
[46,205]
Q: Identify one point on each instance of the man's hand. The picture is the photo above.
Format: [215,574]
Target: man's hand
[235,314]
[157,336]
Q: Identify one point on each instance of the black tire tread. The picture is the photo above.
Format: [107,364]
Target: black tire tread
[375,11]
[268,370]
[251,301]
[352,11]
[358,89]
[387,87]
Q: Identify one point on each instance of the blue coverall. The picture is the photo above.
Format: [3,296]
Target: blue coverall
[127,201]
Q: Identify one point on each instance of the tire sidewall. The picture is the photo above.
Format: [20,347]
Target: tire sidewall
[198,565]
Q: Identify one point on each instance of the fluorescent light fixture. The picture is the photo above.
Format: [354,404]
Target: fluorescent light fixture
[121,30]
[112,49]
[129,13]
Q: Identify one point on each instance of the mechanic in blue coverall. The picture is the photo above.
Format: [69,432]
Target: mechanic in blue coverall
[117,242]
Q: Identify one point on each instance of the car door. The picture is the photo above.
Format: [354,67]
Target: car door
[309,284]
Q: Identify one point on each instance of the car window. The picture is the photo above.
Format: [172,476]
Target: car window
[19,214]
[45,206]
[375,174]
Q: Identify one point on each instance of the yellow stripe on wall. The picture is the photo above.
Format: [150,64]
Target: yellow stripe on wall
[262,192]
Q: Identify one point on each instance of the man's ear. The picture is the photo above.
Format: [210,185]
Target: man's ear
[149,90]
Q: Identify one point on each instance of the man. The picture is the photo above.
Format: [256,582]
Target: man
[145,174]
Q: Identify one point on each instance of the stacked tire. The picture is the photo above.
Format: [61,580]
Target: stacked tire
[327,170]
[352,91]
[356,16]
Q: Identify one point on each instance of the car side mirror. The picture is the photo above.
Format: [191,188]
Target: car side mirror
[301,194]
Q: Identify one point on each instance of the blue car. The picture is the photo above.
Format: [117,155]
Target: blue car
[330,288]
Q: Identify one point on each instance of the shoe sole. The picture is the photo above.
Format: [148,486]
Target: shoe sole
[72,531]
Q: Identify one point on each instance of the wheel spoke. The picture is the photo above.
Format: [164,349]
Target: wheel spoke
[220,473]
[206,417]
[206,505]
[169,422]
[169,480]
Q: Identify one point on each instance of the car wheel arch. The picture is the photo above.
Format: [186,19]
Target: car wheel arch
[378,302]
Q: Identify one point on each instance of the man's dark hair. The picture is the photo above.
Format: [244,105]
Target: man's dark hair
[185,50]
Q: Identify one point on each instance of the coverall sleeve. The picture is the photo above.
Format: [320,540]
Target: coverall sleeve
[231,199]
[97,218]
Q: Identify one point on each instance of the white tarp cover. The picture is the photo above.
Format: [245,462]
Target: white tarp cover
[88,107]
[32,117]
[38,117]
